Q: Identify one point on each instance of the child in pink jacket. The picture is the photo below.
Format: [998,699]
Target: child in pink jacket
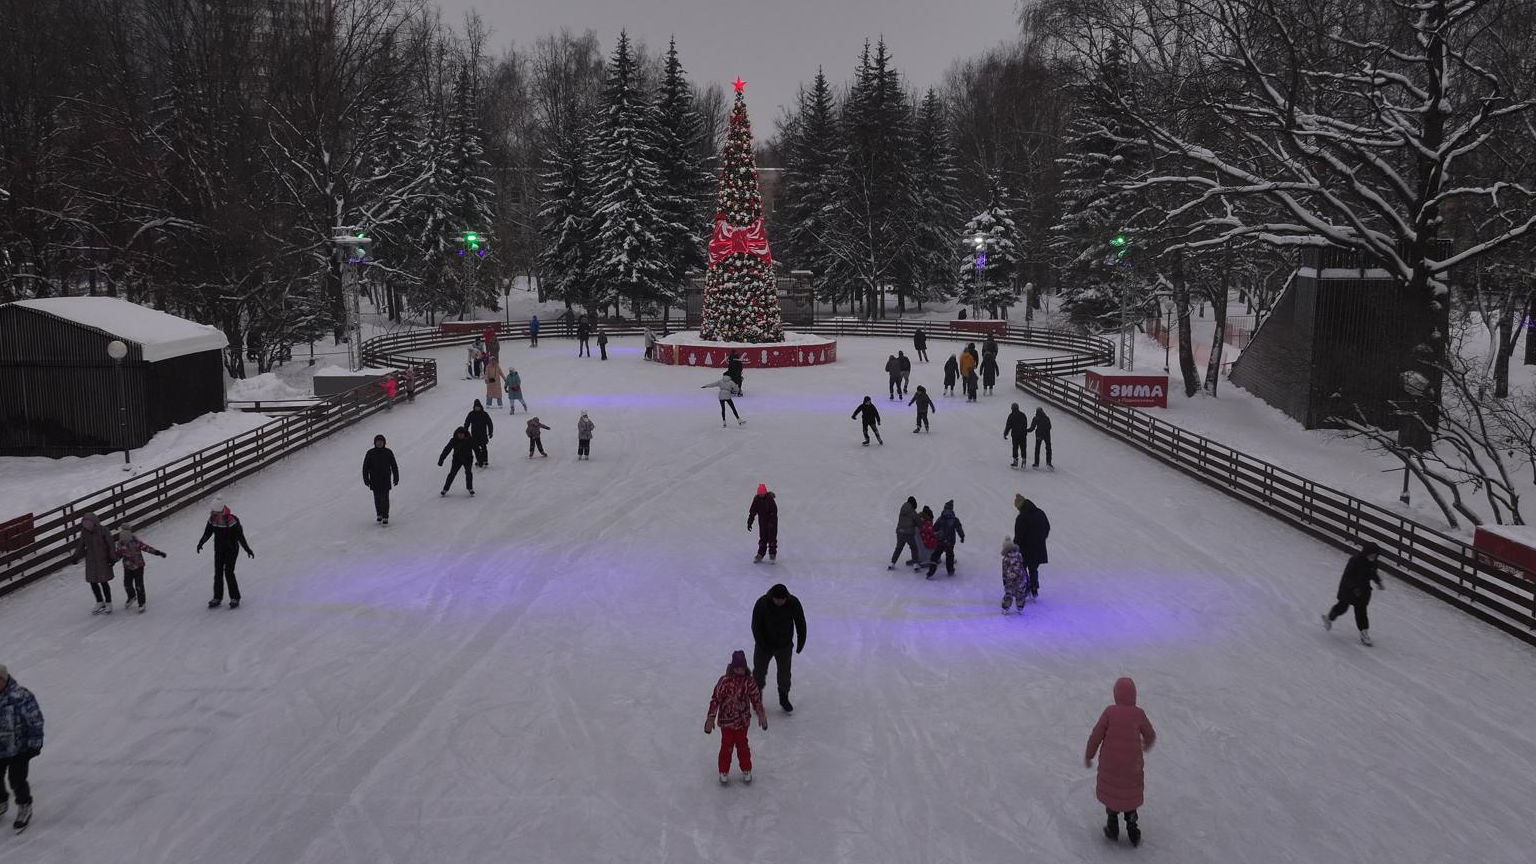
[1122,734]
[735,698]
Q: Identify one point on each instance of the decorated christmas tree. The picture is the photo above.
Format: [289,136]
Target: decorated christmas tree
[741,299]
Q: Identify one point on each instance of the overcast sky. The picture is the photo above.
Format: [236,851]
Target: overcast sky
[774,45]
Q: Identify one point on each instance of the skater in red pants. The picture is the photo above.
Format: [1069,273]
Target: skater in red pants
[736,696]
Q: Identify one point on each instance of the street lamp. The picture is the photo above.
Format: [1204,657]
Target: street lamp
[980,259]
[117,351]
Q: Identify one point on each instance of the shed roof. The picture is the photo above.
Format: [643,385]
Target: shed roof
[159,336]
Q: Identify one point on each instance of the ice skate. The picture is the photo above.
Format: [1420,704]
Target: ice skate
[758,559]
[1112,828]
[106,609]
[890,566]
[141,608]
[1132,831]
[741,422]
[1365,638]
[1013,464]
[234,604]
[23,817]
[214,604]
[784,703]
[384,521]
[471,493]
[725,778]
[746,777]
[772,557]
[443,493]
[1327,622]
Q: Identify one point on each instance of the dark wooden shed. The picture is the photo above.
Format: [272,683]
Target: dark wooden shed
[58,386]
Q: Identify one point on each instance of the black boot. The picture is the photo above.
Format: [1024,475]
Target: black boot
[1132,830]
[1112,826]
[784,703]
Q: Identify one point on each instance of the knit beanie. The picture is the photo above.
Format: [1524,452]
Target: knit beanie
[739,661]
[762,488]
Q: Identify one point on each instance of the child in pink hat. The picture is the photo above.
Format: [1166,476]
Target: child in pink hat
[736,696]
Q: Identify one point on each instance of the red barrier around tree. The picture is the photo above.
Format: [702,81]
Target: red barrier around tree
[812,352]
[997,327]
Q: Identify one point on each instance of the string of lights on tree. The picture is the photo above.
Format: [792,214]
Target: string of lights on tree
[741,299]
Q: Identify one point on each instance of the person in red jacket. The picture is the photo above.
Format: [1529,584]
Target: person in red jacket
[1122,734]
[736,696]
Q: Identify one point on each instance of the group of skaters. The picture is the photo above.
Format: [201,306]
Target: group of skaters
[971,369]
[484,363]
[102,549]
[468,448]
[778,633]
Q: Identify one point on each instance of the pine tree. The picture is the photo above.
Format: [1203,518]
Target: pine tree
[991,255]
[471,189]
[567,265]
[685,199]
[741,300]
[625,158]
[934,207]
[808,195]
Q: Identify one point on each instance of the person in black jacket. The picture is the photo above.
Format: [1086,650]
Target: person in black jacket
[765,510]
[733,372]
[947,527]
[893,377]
[1030,528]
[906,531]
[920,344]
[1017,428]
[1355,589]
[481,430]
[951,375]
[989,373]
[463,450]
[924,405]
[602,344]
[228,539]
[778,623]
[380,473]
[869,418]
[1041,426]
[583,331]
[904,363]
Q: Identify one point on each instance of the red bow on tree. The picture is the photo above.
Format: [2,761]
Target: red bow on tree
[727,240]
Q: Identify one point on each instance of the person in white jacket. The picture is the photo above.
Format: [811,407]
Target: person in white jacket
[727,389]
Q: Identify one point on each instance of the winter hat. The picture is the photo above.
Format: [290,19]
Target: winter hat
[779,592]
[1009,545]
[89,522]
[1369,548]
[478,406]
[218,506]
[583,413]
[739,660]
[125,534]
[912,499]
[949,505]
[762,488]
[378,439]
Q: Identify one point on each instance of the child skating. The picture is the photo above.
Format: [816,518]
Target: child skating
[1355,590]
[1013,577]
[1122,734]
[727,389]
[736,696]
[130,550]
[869,420]
[535,428]
[584,427]
[924,405]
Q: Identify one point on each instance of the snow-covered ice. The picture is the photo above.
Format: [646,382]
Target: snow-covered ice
[523,676]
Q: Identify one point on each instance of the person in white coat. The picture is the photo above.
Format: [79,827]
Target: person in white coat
[727,389]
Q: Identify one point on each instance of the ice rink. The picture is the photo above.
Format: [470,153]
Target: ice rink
[523,676]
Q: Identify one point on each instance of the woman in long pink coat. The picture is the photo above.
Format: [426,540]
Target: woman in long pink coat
[1122,734]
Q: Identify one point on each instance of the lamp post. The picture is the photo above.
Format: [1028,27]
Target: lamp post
[117,351]
[980,260]
[352,248]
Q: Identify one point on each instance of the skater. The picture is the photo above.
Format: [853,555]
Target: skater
[380,473]
[989,348]
[736,696]
[946,529]
[463,450]
[906,532]
[96,548]
[479,349]
[778,623]
[989,373]
[228,539]
[970,386]
[1030,528]
[130,550]
[533,332]
[905,364]
[514,391]
[493,382]
[1013,577]
[968,360]
[869,420]
[766,511]
[481,431]
[1355,589]
[584,429]
[920,344]
[1041,426]
[650,344]
[410,383]
[583,333]
[535,430]
[927,538]
[733,372]
[727,389]
[472,363]
[1017,428]
[1122,734]
[492,345]
[390,387]
[893,376]
[21,741]
[951,375]
[924,405]
[602,344]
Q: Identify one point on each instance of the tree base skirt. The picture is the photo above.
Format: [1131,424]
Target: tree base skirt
[797,349]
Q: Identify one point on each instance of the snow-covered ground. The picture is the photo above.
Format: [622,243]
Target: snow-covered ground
[33,484]
[522,676]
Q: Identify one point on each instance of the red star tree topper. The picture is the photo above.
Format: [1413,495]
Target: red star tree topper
[741,298]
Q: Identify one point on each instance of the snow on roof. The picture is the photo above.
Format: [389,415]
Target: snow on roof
[159,336]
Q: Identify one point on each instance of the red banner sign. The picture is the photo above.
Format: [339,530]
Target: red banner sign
[1132,391]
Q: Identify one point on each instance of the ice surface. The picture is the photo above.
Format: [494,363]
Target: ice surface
[160,336]
[522,676]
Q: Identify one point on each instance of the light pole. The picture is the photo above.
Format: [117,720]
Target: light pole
[117,351]
[353,245]
[980,260]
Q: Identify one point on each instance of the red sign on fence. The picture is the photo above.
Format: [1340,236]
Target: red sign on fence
[1513,543]
[1132,391]
[17,534]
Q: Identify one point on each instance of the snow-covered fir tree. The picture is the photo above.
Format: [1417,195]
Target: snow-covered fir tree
[991,261]
[933,207]
[686,191]
[624,160]
[471,192]
[807,197]
[741,299]
[567,263]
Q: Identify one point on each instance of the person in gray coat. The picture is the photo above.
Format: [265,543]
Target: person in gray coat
[906,533]
[584,429]
[96,548]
